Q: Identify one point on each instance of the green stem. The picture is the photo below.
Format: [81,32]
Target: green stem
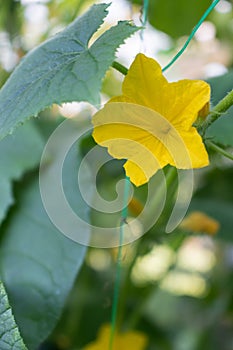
[170,176]
[118,66]
[218,149]
[217,112]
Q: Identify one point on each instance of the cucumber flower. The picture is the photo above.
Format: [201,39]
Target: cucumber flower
[151,123]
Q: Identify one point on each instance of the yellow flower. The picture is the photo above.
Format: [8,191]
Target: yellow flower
[151,124]
[124,341]
[200,222]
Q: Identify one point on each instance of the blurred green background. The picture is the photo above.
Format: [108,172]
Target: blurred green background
[176,288]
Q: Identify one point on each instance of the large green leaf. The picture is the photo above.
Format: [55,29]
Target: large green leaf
[18,153]
[62,69]
[38,263]
[10,338]
[221,131]
[175,18]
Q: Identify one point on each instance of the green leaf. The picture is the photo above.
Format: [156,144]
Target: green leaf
[18,153]
[38,263]
[176,18]
[10,338]
[221,131]
[220,86]
[63,69]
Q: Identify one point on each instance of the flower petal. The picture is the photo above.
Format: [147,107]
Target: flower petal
[145,84]
[186,99]
[150,125]
[196,148]
[179,102]
[142,136]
